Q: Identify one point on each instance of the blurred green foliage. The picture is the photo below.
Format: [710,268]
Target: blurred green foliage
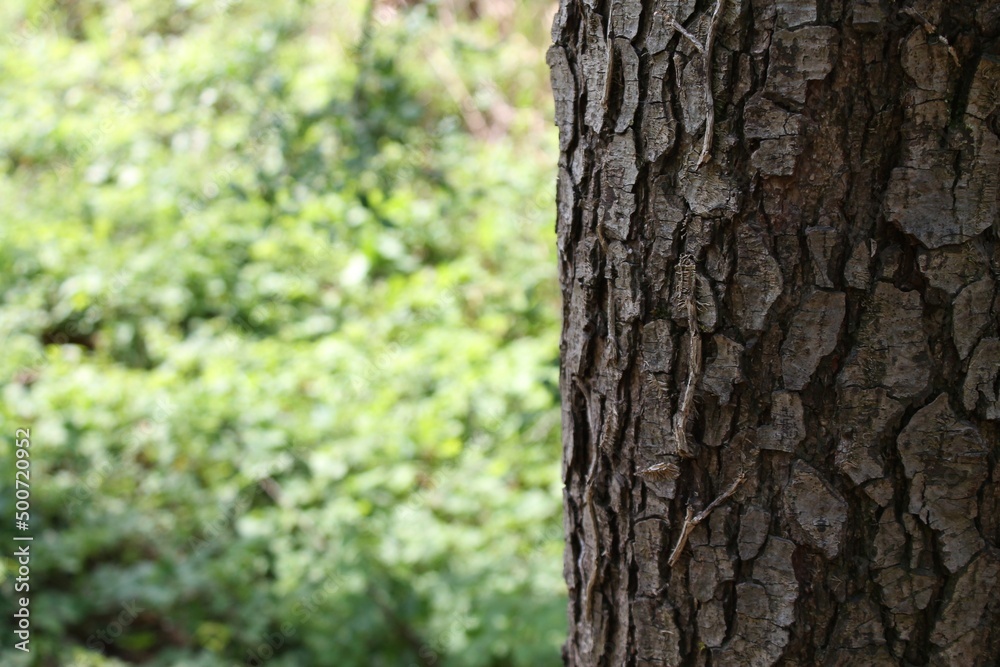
[279,308]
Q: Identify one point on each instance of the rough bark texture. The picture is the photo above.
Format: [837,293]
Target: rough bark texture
[778,233]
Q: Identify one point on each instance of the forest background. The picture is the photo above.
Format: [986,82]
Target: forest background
[279,308]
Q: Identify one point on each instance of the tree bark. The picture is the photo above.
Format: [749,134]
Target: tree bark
[781,342]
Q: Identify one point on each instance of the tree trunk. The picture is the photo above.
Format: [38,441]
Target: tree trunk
[781,345]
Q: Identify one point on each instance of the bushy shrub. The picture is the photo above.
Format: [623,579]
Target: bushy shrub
[280,310]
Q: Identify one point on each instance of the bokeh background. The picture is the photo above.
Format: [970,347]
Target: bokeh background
[279,307]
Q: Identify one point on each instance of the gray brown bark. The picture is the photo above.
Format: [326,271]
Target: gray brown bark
[779,254]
